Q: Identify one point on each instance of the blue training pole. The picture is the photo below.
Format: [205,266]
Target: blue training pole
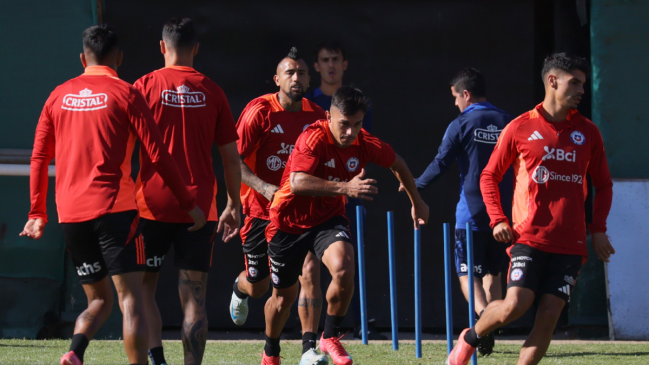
[361,270]
[471,272]
[418,292]
[448,271]
[393,282]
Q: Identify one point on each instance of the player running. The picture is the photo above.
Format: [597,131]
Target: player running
[470,139]
[192,113]
[307,214]
[268,128]
[552,148]
[90,125]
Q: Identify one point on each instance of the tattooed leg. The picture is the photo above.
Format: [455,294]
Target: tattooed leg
[310,300]
[100,304]
[192,286]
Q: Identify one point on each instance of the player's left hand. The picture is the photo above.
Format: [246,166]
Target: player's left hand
[229,222]
[33,229]
[401,188]
[420,213]
[602,246]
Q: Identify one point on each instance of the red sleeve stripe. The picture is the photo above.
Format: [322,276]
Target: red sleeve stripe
[314,138]
[249,114]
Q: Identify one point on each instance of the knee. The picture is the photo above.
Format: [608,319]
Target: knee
[547,317]
[343,273]
[283,304]
[514,309]
[258,289]
[103,305]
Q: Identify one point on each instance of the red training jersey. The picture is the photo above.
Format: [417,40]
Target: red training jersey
[267,135]
[550,161]
[192,113]
[316,154]
[90,124]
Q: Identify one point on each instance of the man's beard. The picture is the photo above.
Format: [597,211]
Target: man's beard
[295,96]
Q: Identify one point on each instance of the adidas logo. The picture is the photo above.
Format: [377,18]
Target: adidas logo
[565,289]
[331,164]
[343,234]
[277,129]
[536,135]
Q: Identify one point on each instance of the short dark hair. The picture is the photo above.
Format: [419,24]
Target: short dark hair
[100,40]
[471,80]
[331,46]
[293,54]
[349,100]
[179,33]
[566,62]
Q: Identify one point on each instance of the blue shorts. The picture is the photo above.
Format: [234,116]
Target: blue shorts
[489,255]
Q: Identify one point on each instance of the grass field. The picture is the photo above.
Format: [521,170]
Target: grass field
[247,352]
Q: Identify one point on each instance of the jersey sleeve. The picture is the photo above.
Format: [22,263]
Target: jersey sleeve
[225,131]
[501,158]
[250,127]
[601,178]
[306,155]
[378,152]
[42,155]
[447,153]
[143,124]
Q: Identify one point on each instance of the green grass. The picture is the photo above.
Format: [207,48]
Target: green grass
[112,352]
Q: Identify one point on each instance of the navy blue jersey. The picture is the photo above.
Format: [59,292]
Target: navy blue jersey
[470,139]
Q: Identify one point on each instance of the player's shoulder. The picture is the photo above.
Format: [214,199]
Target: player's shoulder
[262,103]
[315,134]
[309,105]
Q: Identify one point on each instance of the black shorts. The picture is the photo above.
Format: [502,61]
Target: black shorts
[110,244]
[489,255]
[192,250]
[287,251]
[543,272]
[255,249]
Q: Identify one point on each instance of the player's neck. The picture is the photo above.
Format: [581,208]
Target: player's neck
[553,111]
[329,89]
[174,59]
[288,104]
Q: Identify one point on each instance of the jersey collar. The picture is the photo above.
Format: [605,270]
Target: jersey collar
[100,71]
[180,68]
[572,118]
[276,106]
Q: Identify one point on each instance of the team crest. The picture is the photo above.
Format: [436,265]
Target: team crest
[517,274]
[352,164]
[253,272]
[578,138]
[275,278]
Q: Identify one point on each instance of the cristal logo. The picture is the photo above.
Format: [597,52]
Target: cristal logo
[183,97]
[87,269]
[85,101]
[155,261]
[559,154]
[489,135]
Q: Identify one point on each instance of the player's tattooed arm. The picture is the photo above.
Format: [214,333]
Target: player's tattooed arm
[305,184]
[192,286]
[249,178]
[420,211]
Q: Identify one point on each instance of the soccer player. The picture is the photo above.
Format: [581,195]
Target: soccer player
[470,139]
[552,148]
[192,113]
[307,214]
[268,128]
[90,125]
[331,65]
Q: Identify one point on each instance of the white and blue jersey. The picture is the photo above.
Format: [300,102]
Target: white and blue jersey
[470,139]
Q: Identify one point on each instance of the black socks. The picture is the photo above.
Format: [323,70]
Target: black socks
[472,338]
[332,326]
[308,341]
[79,344]
[272,346]
[237,292]
[157,356]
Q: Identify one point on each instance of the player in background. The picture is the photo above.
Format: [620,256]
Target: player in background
[307,214]
[268,128]
[192,113]
[469,140]
[552,148]
[90,125]
[331,65]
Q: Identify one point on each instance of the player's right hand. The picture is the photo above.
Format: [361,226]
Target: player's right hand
[602,246]
[357,187]
[420,213]
[33,229]
[503,232]
[199,219]
[270,192]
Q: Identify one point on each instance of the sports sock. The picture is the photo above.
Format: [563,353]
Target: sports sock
[157,356]
[472,338]
[79,344]
[332,326]
[237,292]
[272,346]
[308,341]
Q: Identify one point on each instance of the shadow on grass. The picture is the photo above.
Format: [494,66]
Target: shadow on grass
[571,354]
[17,345]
